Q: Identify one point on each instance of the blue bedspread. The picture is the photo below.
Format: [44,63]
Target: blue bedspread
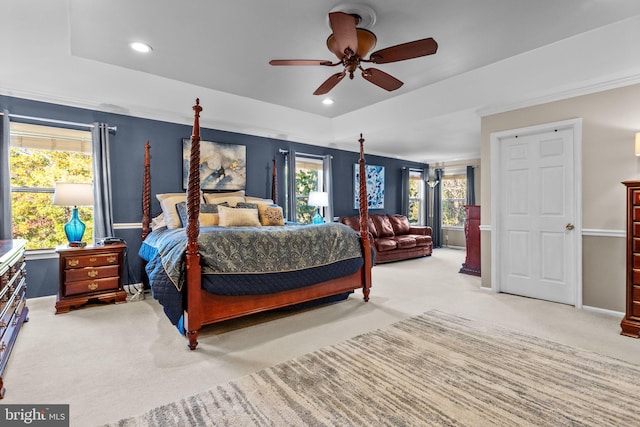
[250,260]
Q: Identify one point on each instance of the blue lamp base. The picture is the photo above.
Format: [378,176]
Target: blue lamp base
[74,229]
[317,219]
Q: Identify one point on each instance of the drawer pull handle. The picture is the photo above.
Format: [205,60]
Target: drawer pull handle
[112,258]
[93,286]
[72,262]
[93,259]
[92,273]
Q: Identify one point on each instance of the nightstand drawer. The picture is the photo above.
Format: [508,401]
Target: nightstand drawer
[87,286]
[91,260]
[91,273]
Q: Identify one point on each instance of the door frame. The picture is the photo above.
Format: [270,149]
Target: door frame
[497,197]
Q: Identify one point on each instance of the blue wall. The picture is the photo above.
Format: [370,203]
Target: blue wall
[127,160]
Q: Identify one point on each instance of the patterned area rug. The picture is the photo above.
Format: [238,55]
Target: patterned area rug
[431,370]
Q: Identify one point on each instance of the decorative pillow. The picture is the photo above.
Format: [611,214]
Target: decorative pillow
[158,222]
[233,217]
[270,214]
[208,214]
[258,200]
[168,202]
[246,205]
[231,198]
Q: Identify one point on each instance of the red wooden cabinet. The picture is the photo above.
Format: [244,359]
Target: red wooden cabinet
[631,323]
[471,264]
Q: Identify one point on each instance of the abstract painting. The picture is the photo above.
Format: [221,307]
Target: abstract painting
[222,166]
[375,186]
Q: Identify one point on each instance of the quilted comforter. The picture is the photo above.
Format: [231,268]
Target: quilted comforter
[250,260]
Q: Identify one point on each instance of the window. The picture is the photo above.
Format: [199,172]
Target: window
[39,157]
[416,197]
[454,196]
[309,177]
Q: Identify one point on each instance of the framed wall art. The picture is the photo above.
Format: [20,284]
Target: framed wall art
[375,186]
[222,166]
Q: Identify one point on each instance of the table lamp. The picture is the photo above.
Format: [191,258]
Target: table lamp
[318,199]
[73,194]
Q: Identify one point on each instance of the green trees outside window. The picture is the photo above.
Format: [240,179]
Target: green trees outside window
[306,181]
[36,165]
[454,196]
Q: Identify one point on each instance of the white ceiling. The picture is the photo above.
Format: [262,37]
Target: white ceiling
[493,55]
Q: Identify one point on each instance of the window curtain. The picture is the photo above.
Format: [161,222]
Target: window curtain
[437,209]
[327,173]
[5,178]
[102,209]
[404,208]
[471,186]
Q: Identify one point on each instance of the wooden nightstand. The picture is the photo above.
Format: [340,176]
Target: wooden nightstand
[92,273]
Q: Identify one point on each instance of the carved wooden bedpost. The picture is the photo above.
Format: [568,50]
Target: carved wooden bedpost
[364,230]
[146,193]
[274,187]
[193,315]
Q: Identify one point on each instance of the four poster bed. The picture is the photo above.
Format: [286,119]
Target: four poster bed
[207,274]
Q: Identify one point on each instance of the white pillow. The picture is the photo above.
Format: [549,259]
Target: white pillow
[250,199]
[234,217]
[168,202]
[158,222]
[217,198]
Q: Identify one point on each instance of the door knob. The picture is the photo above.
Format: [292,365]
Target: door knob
[569,227]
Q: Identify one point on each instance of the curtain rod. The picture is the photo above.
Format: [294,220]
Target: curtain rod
[59,122]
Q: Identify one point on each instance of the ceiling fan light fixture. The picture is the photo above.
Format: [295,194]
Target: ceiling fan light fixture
[327,101]
[366,41]
[140,47]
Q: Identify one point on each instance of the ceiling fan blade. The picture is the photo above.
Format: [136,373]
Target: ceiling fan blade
[344,32]
[382,79]
[299,62]
[330,83]
[414,49]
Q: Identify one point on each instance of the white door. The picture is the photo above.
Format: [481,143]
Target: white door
[537,223]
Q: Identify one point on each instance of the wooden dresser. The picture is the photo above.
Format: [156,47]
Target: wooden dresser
[631,323]
[13,300]
[90,274]
[471,263]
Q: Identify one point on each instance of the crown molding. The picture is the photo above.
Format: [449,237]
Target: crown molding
[587,89]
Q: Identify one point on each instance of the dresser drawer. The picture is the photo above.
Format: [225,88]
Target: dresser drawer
[635,309]
[87,286]
[91,273]
[94,260]
[14,305]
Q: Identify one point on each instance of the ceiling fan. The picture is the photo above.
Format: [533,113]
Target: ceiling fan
[351,44]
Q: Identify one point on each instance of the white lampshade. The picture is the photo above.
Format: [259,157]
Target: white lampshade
[73,194]
[638,144]
[318,198]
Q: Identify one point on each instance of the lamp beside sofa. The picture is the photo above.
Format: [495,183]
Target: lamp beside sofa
[393,237]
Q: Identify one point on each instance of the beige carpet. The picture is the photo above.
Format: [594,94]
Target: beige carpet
[110,362]
[433,369]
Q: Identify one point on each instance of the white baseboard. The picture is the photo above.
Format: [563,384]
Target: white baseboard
[603,311]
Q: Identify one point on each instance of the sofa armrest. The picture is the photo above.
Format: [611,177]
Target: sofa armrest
[420,229]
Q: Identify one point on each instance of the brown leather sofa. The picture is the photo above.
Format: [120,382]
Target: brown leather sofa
[393,238]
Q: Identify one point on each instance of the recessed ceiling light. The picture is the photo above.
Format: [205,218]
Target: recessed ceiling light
[327,101]
[140,47]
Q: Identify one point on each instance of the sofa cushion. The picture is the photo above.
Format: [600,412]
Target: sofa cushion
[406,241]
[400,224]
[354,223]
[384,244]
[422,240]
[383,225]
